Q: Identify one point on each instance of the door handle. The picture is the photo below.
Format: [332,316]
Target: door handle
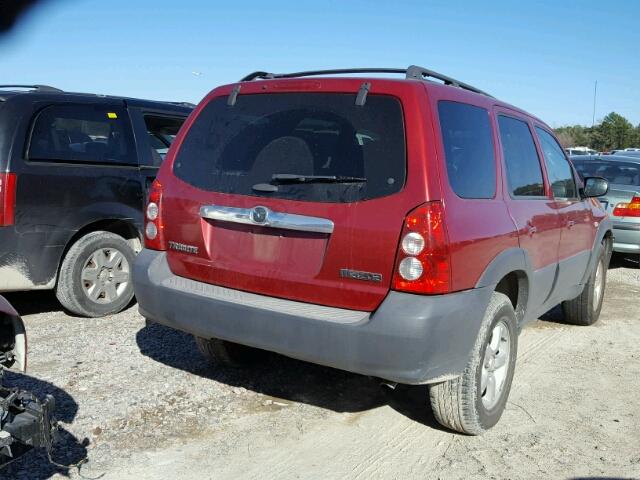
[570,223]
[531,229]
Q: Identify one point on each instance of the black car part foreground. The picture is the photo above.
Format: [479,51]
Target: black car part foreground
[25,423]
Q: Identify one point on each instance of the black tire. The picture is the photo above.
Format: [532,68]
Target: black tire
[585,309]
[70,289]
[458,404]
[228,354]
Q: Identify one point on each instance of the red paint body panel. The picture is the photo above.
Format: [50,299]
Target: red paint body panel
[294,265]
[536,220]
[478,229]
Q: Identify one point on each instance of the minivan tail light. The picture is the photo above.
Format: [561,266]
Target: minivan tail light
[423,261]
[631,209]
[153,222]
[8,184]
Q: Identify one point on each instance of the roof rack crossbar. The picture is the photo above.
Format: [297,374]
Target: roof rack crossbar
[39,88]
[413,72]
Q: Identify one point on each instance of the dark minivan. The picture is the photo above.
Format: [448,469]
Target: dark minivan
[74,174]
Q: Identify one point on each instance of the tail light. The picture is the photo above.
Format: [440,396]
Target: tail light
[8,183]
[631,209]
[153,224]
[423,261]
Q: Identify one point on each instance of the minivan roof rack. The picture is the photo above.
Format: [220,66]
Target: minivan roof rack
[39,88]
[412,72]
[183,104]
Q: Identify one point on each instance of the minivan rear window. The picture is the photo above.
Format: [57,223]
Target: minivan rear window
[319,147]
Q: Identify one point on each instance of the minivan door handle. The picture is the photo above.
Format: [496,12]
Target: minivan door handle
[570,223]
[531,229]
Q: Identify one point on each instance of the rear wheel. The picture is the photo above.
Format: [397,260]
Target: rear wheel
[474,402]
[229,354]
[95,276]
[585,308]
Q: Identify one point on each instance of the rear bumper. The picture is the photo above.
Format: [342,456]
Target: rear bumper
[626,237]
[410,339]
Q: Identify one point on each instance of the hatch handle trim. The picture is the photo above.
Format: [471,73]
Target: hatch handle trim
[265,217]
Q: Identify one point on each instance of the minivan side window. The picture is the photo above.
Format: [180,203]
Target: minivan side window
[162,130]
[559,171]
[468,146]
[524,174]
[82,134]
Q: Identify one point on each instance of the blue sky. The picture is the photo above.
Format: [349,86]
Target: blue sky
[543,56]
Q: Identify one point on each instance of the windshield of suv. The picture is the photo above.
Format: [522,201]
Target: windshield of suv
[325,147]
[615,172]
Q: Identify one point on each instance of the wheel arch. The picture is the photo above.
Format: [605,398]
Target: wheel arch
[126,228]
[510,273]
[604,234]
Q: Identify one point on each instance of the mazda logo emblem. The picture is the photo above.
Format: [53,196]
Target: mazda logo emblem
[259,215]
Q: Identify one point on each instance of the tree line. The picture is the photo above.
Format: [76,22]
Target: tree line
[612,133]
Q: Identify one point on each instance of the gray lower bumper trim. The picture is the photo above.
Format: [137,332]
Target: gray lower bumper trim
[408,339]
[252,300]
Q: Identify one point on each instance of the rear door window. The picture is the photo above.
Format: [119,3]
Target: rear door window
[524,173]
[82,134]
[300,146]
[161,131]
[559,171]
[468,145]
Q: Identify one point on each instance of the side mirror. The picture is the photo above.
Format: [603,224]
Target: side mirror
[595,187]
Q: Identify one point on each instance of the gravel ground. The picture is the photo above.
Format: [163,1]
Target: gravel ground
[138,400]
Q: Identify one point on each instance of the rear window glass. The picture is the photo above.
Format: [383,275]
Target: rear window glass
[82,134]
[468,144]
[331,149]
[615,172]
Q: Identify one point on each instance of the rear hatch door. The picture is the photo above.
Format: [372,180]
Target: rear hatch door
[294,195]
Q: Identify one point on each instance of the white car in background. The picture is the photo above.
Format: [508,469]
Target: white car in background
[580,151]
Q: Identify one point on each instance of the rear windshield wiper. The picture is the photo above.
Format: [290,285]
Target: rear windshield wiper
[295,178]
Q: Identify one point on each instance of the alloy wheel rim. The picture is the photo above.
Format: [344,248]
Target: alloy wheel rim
[598,286]
[495,365]
[105,275]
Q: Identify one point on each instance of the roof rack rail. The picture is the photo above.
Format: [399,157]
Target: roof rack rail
[183,104]
[38,88]
[412,72]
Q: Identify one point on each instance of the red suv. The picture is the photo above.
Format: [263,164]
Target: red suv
[405,229]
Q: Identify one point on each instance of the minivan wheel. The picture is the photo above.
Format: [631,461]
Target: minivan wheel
[228,354]
[473,402]
[95,276]
[585,308]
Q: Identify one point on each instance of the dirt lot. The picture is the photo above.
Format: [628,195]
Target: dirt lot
[139,401]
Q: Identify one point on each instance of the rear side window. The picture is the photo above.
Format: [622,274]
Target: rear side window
[559,171]
[468,146]
[82,134]
[162,131]
[524,174]
[331,149]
